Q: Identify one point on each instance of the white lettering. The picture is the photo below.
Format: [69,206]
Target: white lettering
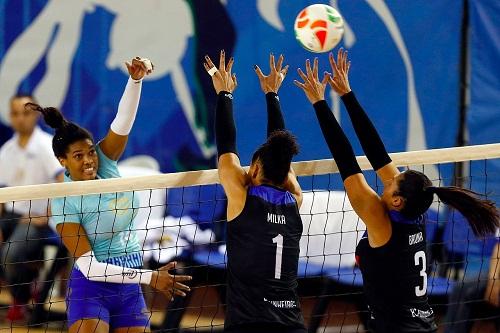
[274,218]
[416,313]
[416,238]
[282,304]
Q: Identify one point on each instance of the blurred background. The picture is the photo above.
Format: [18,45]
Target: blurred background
[427,72]
[408,69]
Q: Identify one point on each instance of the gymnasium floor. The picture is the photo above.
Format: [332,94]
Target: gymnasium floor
[203,313]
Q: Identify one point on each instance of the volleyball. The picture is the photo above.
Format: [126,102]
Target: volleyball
[319,28]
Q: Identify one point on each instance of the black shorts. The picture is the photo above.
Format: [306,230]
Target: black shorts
[264,328]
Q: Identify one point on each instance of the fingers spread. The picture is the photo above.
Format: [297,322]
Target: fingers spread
[209,62]
[179,293]
[169,266]
[315,69]
[308,68]
[234,80]
[284,71]
[230,65]
[326,78]
[333,83]
[222,61]
[258,71]
[333,64]
[181,286]
[182,277]
[344,60]
[280,63]
[301,74]
[299,84]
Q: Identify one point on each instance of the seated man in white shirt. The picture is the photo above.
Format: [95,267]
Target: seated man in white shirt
[25,159]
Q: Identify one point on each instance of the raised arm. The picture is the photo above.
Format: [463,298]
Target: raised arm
[367,134]
[365,202]
[115,141]
[232,176]
[270,84]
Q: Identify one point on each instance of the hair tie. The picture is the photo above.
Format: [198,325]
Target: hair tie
[429,189]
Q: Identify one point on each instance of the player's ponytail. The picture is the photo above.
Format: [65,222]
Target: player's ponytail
[66,133]
[276,155]
[481,214]
[417,192]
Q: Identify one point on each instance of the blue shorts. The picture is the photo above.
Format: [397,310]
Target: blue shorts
[119,305]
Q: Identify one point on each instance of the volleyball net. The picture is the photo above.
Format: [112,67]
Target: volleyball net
[181,217]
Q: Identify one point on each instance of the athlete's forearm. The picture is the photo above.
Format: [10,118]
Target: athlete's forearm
[275,119]
[336,140]
[368,136]
[127,108]
[225,129]
[94,270]
[494,273]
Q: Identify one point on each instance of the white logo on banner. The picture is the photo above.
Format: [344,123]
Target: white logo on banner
[157,29]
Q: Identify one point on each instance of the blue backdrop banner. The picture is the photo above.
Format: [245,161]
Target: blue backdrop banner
[70,54]
[483,114]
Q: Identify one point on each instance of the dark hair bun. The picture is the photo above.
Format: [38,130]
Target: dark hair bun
[66,132]
[52,116]
[283,144]
[276,155]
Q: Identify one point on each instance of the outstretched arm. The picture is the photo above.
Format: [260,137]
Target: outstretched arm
[366,203]
[76,240]
[270,84]
[231,175]
[115,141]
[367,134]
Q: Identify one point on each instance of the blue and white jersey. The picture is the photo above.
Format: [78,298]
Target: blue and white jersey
[107,218]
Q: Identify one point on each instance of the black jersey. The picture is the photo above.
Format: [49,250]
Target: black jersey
[395,278]
[262,260]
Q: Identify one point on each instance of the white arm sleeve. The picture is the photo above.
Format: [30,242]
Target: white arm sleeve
[94,270]
[127,108]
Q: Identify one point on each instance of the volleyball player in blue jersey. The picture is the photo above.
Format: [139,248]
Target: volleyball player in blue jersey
[104,292]
[392,257]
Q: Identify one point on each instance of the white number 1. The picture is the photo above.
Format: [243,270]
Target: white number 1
[420,256]
[279,253]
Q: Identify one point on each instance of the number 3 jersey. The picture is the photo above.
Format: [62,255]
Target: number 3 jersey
[395,278]
[263,253]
